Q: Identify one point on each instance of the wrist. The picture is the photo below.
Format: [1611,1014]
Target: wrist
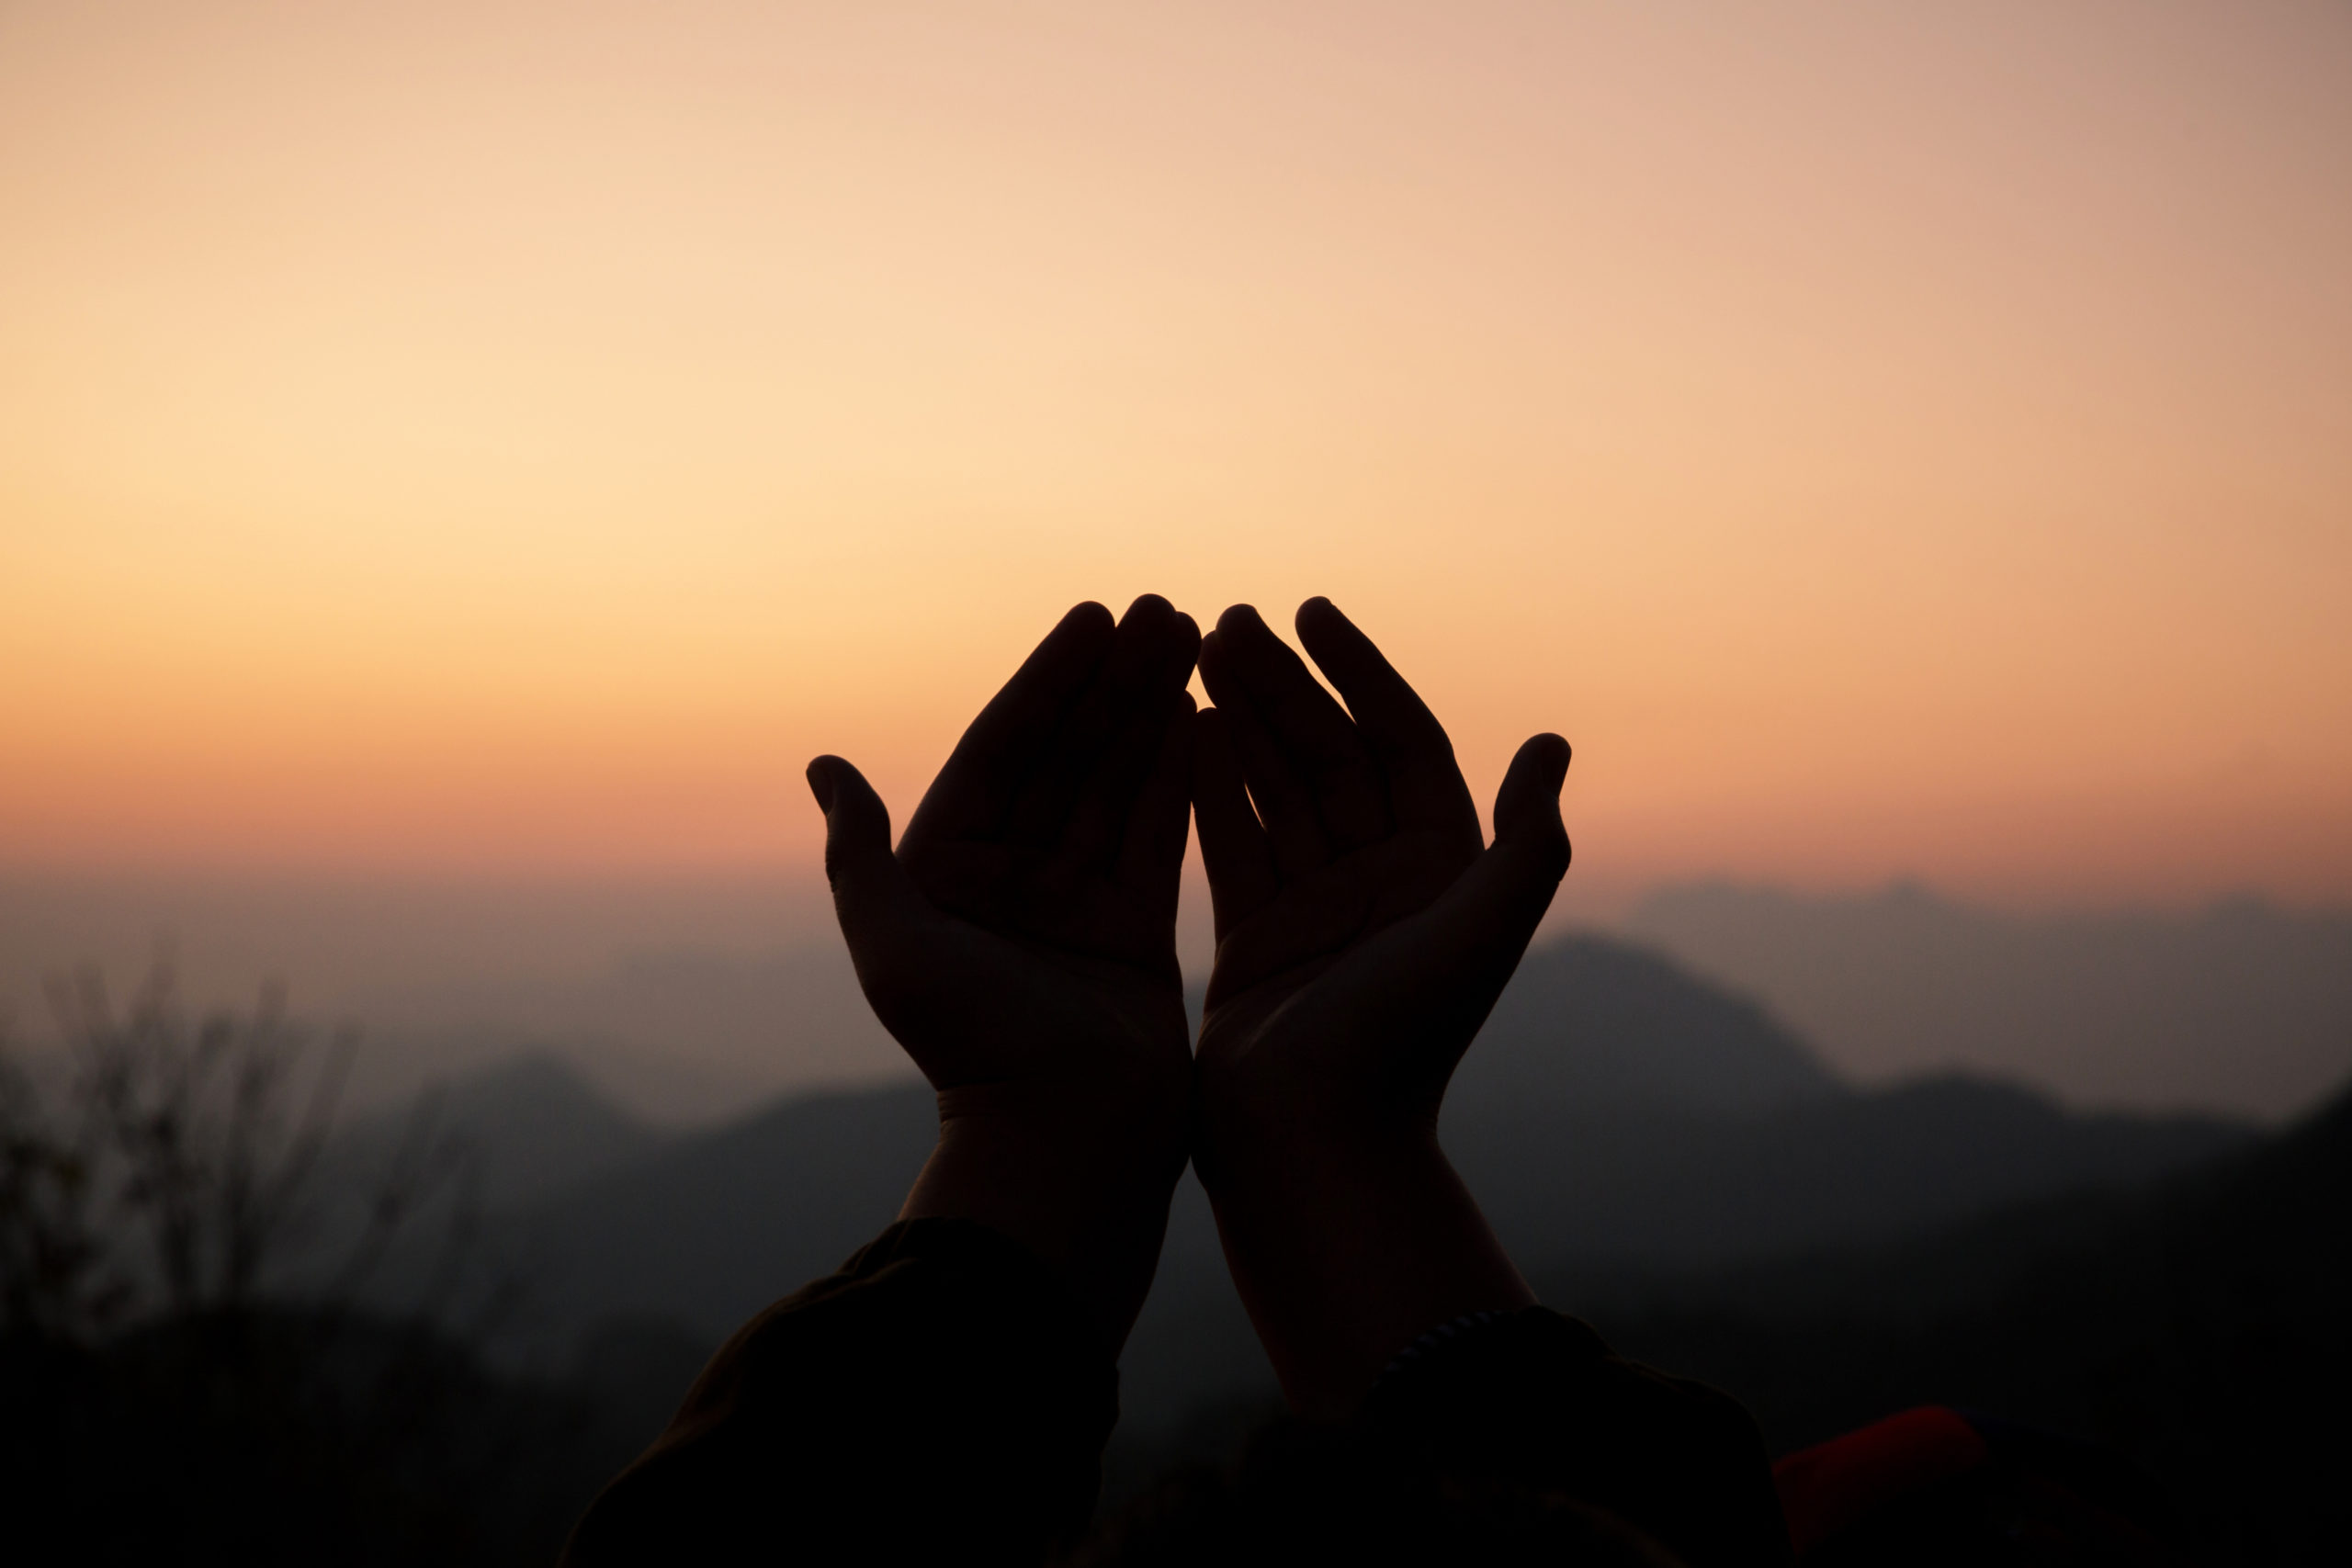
[1348,1239]
[1081,1181]
[1258,1134]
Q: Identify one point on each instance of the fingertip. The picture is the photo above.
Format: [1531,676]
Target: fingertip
[1335,642]
[1552,753]
[1527,807]
[1147,606]
[820,773]
[842,788]
[1083,632]
[1242,618]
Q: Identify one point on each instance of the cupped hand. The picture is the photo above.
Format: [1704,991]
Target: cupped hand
[1364,930]
[1020,944]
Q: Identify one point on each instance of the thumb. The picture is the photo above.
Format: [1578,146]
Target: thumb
[873,898]
[1502,897]
[1527,807]
[1449,966]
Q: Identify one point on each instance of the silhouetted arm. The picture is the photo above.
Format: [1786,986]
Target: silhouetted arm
[942,1398]
[1364,930]
[946,1394]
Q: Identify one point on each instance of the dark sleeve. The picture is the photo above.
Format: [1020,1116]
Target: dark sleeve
[939,1397]
[1535,1403]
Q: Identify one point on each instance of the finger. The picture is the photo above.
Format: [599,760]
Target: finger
[1151,857]
[1005,743]
[880,910]
[1503,896]
[1234,848]
[1425,783]
[1097,831]
[1138,647]
[1527,807]
[1313,731]
[1293,826]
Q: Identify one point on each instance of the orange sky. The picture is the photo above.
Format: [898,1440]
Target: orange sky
[483,438]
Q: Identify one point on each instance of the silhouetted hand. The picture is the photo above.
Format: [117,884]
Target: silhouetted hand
[1364,928]
[1021,945]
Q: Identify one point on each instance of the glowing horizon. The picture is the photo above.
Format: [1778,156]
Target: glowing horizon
[511,439]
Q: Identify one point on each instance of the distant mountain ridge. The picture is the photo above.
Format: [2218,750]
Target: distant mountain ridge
[714,1226]
[1589,1030]
[1590,1021]
[2241,1007]
[1667,1186]
[1616,1111]
[528,1127]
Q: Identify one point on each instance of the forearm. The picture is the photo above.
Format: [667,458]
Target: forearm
[940,1396]
[1348,1246]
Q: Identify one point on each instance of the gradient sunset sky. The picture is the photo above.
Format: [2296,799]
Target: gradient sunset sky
[510,439]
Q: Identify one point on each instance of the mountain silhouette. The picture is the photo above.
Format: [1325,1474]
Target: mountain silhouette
[1590,1021]
[2241,1006]
[527,1127]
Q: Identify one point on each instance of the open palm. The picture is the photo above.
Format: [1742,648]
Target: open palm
[1364,927]
[1021,944]
[1026,928]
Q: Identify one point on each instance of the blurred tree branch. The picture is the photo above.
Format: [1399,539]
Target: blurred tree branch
[181,1157]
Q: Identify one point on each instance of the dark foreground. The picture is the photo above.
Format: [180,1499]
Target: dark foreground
[2201,1329]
